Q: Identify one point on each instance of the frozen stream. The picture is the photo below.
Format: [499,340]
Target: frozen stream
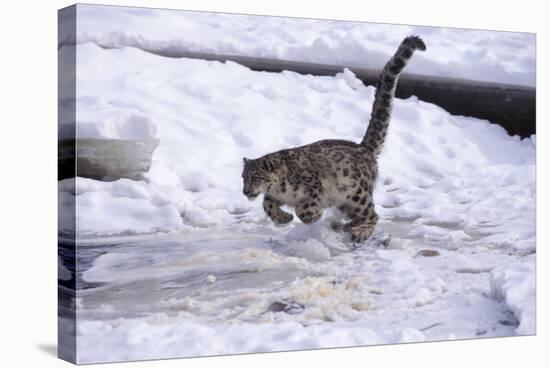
[160,271]
[415,287]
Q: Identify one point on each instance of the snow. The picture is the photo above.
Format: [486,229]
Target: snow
[210,114]
[144,337]
[502,57]
[108,121]
[102,212]
[452,256]
[515,285]
[367,296]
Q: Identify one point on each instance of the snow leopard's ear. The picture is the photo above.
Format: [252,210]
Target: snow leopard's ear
[245,160]
[270,165]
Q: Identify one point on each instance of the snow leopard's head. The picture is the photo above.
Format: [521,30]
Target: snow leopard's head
[258,176]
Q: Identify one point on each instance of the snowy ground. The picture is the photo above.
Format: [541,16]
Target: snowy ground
[212,275]
[502,57]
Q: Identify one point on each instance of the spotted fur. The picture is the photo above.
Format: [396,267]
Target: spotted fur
[331,173]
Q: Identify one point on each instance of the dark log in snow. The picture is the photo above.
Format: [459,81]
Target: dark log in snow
[512,107]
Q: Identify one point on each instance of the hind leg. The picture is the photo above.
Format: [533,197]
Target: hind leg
[363,218]
[272,208]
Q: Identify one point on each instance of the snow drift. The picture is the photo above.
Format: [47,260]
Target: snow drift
[503,57]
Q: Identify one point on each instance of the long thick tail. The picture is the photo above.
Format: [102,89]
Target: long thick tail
[385,92]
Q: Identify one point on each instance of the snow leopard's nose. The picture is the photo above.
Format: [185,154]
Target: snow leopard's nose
[249,194]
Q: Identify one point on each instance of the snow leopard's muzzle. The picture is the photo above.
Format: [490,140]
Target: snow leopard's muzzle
[250,194]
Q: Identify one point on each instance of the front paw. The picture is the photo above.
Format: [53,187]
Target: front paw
[362,232]
[283,219]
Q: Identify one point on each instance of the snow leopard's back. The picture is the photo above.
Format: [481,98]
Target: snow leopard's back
[331,173]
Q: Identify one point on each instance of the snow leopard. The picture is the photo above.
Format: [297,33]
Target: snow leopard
[331,172]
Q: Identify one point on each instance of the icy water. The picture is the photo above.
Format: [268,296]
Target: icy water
[438,289]
[129,279]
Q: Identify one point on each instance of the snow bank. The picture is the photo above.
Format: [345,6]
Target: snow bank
[514,284]
[137,339]
[95,120]
[99,213]
[502,57]
[208,115]
[99,119]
